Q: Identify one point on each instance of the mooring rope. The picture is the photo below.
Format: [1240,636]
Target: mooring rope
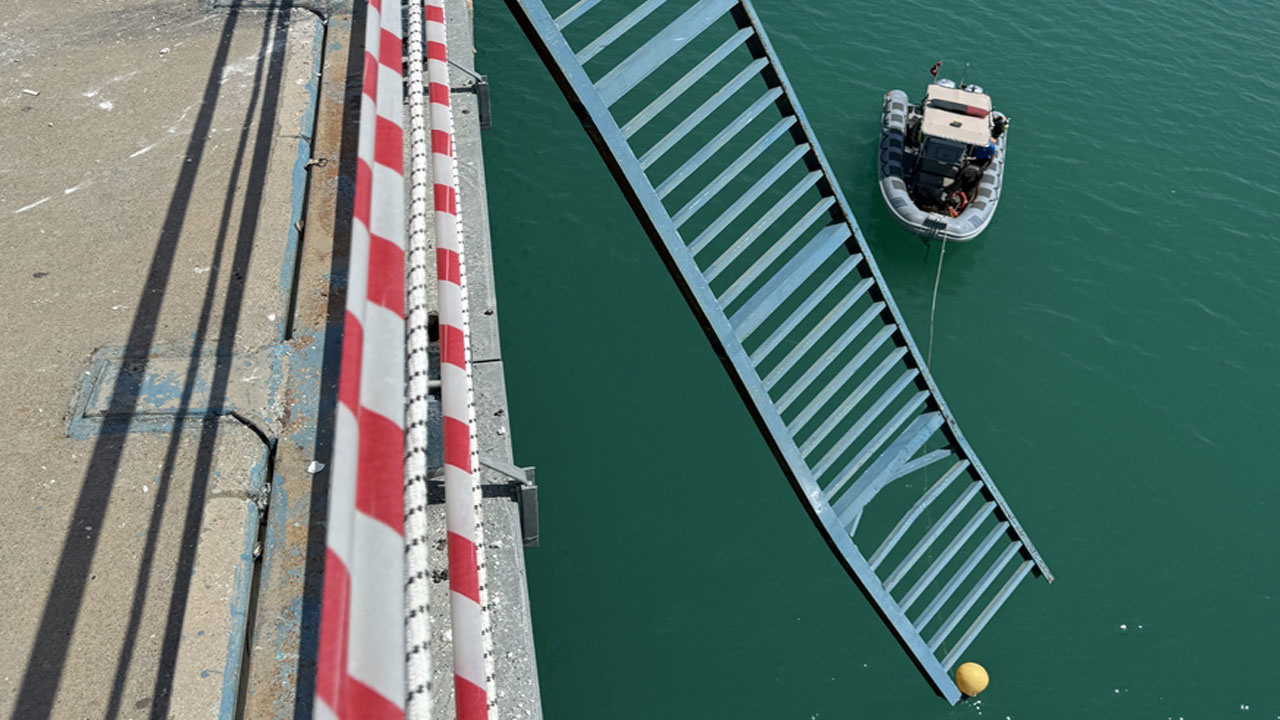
[933,306]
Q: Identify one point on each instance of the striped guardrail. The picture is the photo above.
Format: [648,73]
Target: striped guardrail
[360,670]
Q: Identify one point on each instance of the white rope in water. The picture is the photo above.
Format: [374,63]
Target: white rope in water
[417,619]
[933,306]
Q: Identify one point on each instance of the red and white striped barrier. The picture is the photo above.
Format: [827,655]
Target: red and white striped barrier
[360,670]
[472,655]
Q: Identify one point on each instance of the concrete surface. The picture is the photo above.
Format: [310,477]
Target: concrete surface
[174,209]
[147,206]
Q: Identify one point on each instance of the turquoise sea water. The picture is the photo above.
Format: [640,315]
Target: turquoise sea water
[1110,347]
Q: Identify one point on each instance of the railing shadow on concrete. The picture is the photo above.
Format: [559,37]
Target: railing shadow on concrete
[47,660]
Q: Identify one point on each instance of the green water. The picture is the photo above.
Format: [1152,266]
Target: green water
[1110,347]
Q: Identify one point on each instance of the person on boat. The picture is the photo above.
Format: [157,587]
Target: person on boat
[913,131]
[967,179]
[998,127]
[961,192]
[985,154]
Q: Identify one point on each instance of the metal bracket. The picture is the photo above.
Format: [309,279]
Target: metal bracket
[479,86]
[527,495]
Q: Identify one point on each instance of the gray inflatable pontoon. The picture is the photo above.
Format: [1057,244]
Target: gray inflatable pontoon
[924,151]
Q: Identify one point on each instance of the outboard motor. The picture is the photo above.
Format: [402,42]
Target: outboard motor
[974,89]
[943,82]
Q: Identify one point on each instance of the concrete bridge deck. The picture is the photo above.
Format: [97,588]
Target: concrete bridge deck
[172,216]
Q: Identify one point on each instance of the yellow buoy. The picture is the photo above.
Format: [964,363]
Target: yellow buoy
[971,678]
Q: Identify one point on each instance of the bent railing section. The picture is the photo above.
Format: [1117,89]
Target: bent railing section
[695,118]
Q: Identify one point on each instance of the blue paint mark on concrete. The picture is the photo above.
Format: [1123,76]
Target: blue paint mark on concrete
[168,396]
[241,592]
[298,197]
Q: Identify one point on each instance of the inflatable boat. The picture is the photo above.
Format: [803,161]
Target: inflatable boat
[942,160]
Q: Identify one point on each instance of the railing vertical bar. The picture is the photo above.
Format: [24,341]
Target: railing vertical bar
[695,118]
[788,278]
[846,406]
[876,441]
[816,332]
[659,49]
[935,568]
[578,10]
[726,176]
[914,513]
[960,575]
[800,313]
[824,360]
[762,263]
[595,47]
[987,613]
[747,199]
[931,535]
[678,88]
[706,152]
[838,415]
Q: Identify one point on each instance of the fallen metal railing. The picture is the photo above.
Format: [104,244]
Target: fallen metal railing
[695,118]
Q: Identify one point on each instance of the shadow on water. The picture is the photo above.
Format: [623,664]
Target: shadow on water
[47,660]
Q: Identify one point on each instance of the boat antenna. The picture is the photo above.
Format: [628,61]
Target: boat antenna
[966,72]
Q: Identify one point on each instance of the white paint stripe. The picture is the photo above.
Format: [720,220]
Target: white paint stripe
[446,230]
[25,208]
[382,367]
[441,119]
[386,210]
[358,270]
[391,21]
[438,68]
[375,653]
[322,711]
[453,405]
[342,483]
[373,31]
[144,150]
[468,659]
[459,513]
[368,129]
[450,293]
[390,104]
